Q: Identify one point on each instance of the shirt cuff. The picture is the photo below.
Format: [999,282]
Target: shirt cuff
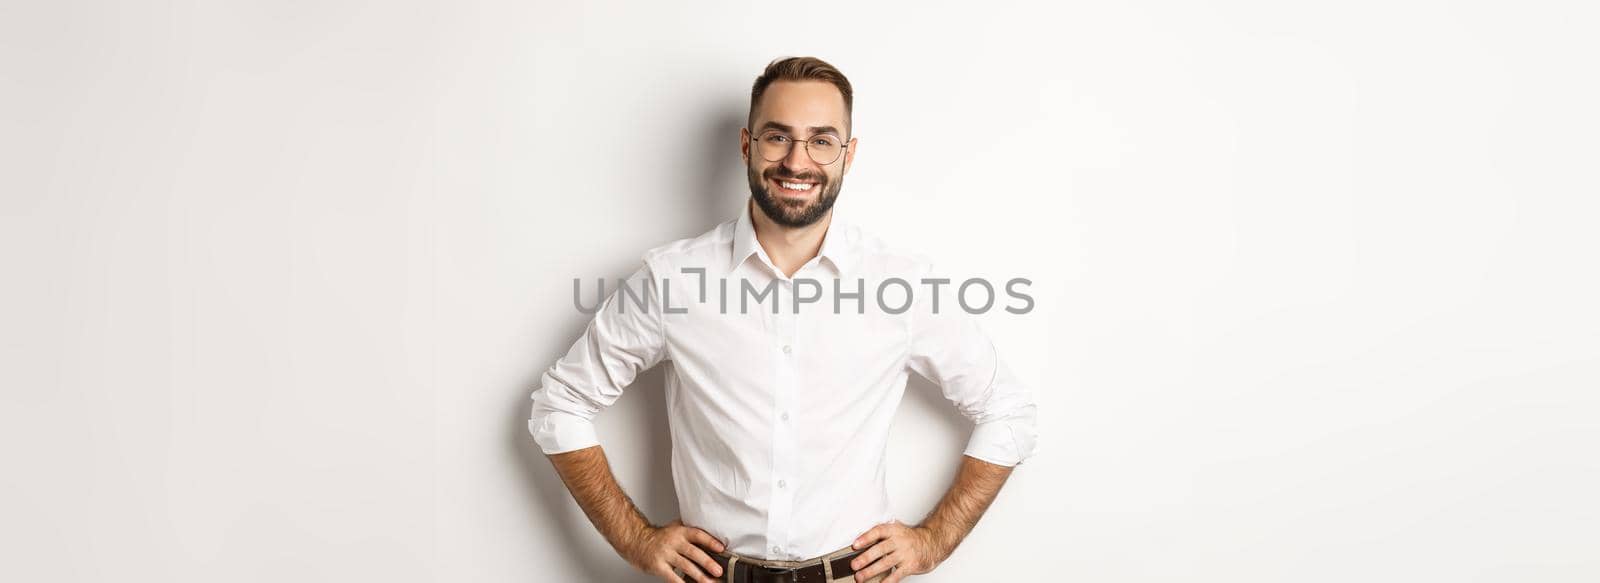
[995,442]
[560,433]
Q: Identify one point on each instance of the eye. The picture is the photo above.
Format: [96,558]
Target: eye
[823,142]
[776,138]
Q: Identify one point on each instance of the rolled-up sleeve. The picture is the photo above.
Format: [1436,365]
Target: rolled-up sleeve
[950,349]
[621,341]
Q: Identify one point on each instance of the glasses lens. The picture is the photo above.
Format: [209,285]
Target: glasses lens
[774,146]
[824,149]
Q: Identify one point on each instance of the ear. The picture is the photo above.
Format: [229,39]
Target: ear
[850,155]
[744,145]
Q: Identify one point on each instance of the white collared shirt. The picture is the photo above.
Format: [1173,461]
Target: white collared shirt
[780,421]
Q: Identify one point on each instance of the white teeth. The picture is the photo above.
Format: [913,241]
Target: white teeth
[795,185]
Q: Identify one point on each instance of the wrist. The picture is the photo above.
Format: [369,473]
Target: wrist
[936,544]
[633,539]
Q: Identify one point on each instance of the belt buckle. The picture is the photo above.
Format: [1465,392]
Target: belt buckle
[779,574]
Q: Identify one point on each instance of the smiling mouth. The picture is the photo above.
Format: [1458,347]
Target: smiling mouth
[794,187]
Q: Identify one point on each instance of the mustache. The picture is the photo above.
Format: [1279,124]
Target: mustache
[778,173]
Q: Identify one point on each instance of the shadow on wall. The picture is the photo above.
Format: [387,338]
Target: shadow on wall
[721,183]
[642,407]
[719,188]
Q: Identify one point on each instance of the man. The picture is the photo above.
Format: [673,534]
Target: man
[780,408]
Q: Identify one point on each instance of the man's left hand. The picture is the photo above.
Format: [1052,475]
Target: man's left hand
[897,549]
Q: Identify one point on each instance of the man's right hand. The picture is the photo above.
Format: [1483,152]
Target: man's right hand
[660,549]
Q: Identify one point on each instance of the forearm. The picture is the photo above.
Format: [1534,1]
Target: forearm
[588,476]
[975,487]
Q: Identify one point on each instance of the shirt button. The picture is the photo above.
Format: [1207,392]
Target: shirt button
[776,550]
[786,349]
[785,415]
[782,483]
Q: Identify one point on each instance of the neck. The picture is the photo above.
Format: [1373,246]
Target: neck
[788,247]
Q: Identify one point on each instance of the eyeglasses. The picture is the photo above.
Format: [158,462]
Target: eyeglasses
[824,149]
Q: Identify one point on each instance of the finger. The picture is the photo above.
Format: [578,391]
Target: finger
[689,569]
[667,574]
[872,553]
[878,568]
[895,575]
[866,538]
[700,557]
[705,539]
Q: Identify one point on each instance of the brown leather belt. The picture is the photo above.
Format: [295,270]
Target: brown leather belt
[812,573]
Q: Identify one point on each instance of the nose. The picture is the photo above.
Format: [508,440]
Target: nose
[798,159]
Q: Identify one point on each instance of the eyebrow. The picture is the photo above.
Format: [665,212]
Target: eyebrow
[772,125]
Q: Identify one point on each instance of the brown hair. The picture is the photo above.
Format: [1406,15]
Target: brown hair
[801,69]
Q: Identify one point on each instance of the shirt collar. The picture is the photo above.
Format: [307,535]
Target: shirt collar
[838,245]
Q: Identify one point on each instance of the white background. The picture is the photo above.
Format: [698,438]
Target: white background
[1315,283]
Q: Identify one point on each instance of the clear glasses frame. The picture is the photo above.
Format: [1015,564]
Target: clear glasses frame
[757,142]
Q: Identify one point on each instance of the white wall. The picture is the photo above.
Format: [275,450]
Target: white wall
[1315,284]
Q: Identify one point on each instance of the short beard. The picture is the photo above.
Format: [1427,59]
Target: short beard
[785,212]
